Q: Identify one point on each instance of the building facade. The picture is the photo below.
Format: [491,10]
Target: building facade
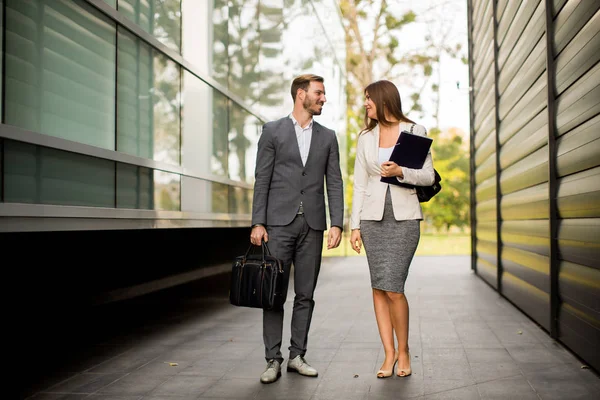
[129,131]
[535,161]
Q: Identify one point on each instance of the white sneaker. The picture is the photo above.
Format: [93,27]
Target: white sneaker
[272,373]
[299,365]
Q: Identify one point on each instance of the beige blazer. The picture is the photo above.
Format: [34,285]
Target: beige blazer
[369,192]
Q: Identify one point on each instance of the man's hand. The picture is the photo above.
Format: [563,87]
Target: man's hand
[356,240]
[390,169]
[258,234]
[334,237]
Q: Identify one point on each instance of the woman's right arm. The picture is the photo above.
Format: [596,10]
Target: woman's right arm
[361,180]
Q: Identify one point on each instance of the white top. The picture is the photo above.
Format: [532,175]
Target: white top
[384,154]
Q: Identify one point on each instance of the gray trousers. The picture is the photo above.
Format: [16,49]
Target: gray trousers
[302,246]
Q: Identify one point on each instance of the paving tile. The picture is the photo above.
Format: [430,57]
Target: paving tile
[507,389]
[245,388]
[85,383]
[490,371]
[483,355]
[134,385]
[433,355]
[464,339]
[184,385]
[562,383]
[462,393]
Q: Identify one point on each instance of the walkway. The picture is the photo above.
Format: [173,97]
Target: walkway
[466,343]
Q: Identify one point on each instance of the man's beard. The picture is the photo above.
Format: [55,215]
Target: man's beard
[307,104]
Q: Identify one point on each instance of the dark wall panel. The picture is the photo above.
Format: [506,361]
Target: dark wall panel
[536,170]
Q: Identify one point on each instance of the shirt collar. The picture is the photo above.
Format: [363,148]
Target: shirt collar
[309,126]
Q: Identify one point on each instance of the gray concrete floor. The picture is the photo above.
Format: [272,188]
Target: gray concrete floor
[466,342]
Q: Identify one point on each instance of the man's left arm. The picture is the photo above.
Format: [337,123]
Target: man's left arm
[335,194]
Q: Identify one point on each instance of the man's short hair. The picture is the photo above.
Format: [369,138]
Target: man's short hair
[303,82]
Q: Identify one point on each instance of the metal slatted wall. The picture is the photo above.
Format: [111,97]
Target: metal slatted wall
[535,136]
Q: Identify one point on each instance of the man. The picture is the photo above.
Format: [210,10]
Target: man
[296,158]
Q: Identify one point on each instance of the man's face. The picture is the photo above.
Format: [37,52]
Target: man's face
[315,98]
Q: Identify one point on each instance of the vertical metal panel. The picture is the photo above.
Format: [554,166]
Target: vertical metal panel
[523,174]
[536,168]
[483,140]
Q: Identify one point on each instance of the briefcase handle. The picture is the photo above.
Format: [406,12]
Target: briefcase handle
[264,250]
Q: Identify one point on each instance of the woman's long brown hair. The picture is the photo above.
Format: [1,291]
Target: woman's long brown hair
[385,95]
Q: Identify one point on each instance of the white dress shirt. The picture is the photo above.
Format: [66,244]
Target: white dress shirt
[304,136]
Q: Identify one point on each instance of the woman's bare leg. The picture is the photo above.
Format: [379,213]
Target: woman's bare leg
[383,314]
[399,313]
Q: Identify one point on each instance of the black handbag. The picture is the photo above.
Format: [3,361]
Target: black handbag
[257,280]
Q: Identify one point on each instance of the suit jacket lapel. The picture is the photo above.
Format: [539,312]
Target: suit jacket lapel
[313,140]
[293,140]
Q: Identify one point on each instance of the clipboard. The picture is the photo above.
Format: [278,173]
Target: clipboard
[410,151]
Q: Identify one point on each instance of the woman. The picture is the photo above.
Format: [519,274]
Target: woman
[387,217]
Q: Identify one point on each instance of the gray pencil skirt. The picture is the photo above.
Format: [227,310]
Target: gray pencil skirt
[390,246]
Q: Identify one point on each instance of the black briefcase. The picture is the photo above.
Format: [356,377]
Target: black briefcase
[257,280]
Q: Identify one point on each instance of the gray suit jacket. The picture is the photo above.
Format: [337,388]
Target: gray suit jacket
[282,182]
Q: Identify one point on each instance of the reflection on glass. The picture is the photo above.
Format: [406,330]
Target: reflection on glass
[160,18]
[42,175]
[111,2]
[240,200]
[274,84]
[244,49]
[244,131]
[60,70]
[148,101]
[220,18]
[167,191]
[220,197]
[135,187]
[219,164]
[196,124]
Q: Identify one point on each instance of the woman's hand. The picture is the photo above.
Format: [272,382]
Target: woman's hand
[355,240]
[390,169]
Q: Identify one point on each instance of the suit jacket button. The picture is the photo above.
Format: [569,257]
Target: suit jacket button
[303,173]
[302,192]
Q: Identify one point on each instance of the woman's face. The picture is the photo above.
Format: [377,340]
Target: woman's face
[370,107]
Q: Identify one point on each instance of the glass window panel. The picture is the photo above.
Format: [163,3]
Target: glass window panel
[243,50]
[167,191]
[240,200]
[111,2]
[275,100]
[60,70]
[244,131]
[220,24]
[135,187]
[160,18]
[42,175]
[197,28]
[149,102]
[196,124]
[219,165]
[220,197]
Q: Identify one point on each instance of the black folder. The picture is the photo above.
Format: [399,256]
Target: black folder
[410,151]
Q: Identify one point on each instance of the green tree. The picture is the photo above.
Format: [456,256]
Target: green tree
[450,207]
[377,48]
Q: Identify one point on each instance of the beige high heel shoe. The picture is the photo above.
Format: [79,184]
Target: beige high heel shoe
[383,373]
[404,372]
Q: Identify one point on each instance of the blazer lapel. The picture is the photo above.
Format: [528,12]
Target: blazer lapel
[293,141]
[315,136]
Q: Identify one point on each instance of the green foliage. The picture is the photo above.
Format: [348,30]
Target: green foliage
[450,207]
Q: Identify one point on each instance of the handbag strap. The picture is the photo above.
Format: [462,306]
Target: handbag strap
[264,250]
